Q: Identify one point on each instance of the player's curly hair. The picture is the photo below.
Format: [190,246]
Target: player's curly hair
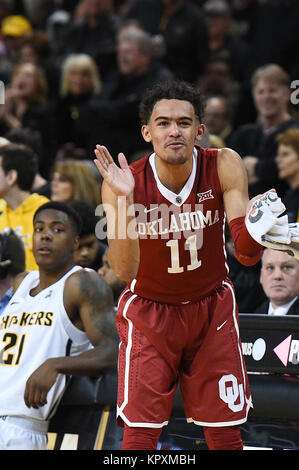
[170,90]
[87,214]
[72,214]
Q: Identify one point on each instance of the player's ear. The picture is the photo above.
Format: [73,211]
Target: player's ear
[12,177]
[146,133]
[200,132]
[76,243]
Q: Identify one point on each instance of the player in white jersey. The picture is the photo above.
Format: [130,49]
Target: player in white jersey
[59,322]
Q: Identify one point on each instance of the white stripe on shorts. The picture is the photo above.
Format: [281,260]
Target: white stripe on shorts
[120,409]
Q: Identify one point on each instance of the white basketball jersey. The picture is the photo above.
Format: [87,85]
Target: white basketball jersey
[32,330]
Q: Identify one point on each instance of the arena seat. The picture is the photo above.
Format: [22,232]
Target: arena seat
[86,418]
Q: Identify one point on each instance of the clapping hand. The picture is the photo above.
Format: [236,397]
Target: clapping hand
[120,179]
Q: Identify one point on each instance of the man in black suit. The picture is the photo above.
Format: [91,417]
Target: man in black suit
[280,280]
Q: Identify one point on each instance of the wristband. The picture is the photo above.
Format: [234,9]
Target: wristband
[247,251]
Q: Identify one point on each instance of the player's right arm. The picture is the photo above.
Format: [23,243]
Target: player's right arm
[118,202]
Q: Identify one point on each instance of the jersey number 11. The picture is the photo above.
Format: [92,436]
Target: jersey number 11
[191,245]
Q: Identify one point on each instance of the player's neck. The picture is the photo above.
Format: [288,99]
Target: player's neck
[48,277]
[173,177]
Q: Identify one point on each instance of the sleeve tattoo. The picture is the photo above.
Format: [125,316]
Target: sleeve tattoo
[97,298]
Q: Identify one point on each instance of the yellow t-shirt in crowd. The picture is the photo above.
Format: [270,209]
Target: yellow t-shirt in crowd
[21,221]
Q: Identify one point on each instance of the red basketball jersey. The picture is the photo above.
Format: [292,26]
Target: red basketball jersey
[181,236]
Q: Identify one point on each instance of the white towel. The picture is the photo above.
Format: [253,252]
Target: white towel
[263,216]
[291,248]
[267,228]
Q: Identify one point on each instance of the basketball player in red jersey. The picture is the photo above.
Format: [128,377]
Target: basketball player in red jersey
[177,319]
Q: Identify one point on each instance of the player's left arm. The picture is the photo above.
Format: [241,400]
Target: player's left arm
[89,302]
[234,184]
[94,301]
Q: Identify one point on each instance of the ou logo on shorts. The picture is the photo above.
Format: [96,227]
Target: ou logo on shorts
[230,391]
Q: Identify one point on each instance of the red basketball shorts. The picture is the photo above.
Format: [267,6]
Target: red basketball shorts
[196,345]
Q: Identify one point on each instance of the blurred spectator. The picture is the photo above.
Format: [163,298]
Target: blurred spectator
[280,281]
[221,38]
[287,161]
[243,14]
[218,118]
[13,29]
[28,85]
[89,253]
[38,11]
[274,34]
[93,34]
[184,30]
[36,48]
[6,8]
[26,105]
[32,139]
[131,26]
[107,273]
[113,119]
[79,83]
[135,54]
[73,180]
[12,263]
[218,80]
[18,168]
[256,142]
[55,25]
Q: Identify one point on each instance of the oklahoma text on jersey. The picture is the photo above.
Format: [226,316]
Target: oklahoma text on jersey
[174,221]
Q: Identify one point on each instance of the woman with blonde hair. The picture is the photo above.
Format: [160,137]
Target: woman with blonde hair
[74,180]
[80,83]
[79,75]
